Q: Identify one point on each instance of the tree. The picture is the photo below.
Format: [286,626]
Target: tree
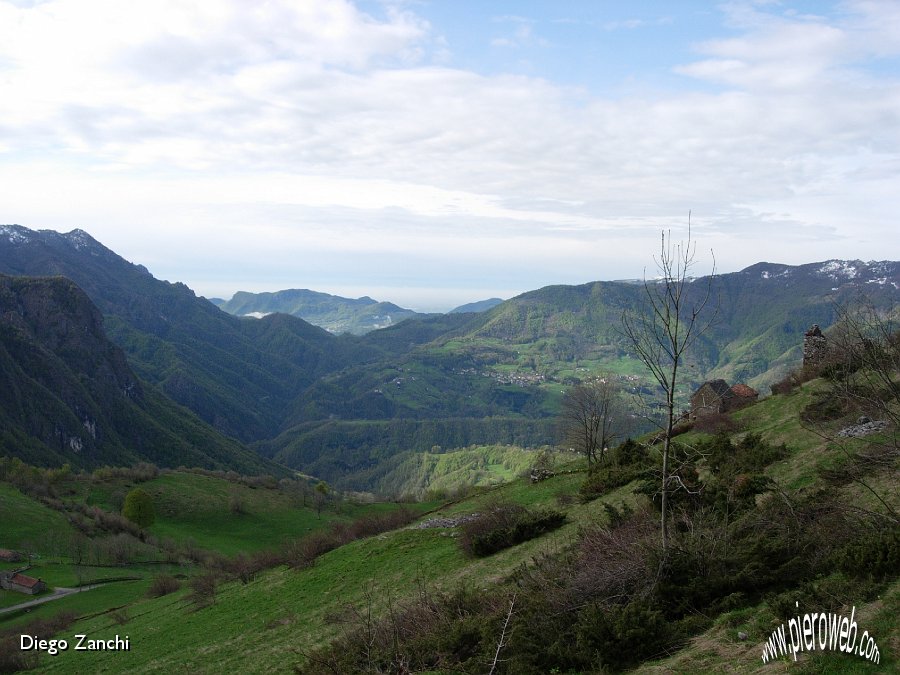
[321,496]
[673,315]
[138,508]
[592,417]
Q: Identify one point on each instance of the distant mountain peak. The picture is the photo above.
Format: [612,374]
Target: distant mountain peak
[873,271]
[77,238]
[81,239]
[479,306]
[331,312]
[16,234]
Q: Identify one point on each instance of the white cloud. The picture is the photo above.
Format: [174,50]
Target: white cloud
[311,127]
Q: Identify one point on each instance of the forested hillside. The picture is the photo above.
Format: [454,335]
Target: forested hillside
[67,394]
[338,406]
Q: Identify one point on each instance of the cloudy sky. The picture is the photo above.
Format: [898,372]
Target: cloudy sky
[435,152]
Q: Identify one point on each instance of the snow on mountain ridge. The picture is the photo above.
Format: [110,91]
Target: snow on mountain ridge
[15,233]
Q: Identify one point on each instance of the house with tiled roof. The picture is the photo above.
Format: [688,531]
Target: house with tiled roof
[716,396]
[742,395]
[710,398]
[22,583]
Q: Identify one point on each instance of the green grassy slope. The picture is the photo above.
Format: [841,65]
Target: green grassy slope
[192,510]
[26,523]
[198,508]
[261,626]
[268,624]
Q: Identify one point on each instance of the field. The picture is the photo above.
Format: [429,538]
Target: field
[277,618]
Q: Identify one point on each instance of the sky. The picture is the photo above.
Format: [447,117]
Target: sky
[437,152]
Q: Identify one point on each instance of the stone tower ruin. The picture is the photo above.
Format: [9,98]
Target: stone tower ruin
[815,347]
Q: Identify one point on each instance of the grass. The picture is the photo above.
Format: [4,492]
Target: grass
[84,604]
[27,524]
[197,508]
[285,612]
[268,624]
[10,598]
[486,465]
[190,506]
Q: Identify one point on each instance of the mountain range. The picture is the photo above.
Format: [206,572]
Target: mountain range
[333,313]
[339,406]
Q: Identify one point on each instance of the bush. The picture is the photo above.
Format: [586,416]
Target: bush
[715,423]
[12,658]
[751,454]
[615,561]
[303,552]
[203,590]
[505,525]
[601,480]
[618,639]
[161,585]
[875,556]
[453,631]
[826,407]
[236,505]
[628,453]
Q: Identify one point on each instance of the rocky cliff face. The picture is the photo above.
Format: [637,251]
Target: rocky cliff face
[60,375]
[59,317]
[67,393]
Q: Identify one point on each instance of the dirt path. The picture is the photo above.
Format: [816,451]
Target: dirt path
[56,595]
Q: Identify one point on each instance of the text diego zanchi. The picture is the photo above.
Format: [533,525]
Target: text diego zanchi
[81,643]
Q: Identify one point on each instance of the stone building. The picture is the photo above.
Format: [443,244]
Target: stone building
[815,347]
[15,581]
[716,396]
[712,397]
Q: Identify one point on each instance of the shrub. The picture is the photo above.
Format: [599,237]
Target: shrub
[603,479]
[751,454]
[203,589]
[715,423]
[453,631]
[624,637]
[506,525]
[877,556]
[12,658]
[795,378]
[614,562]
[628,453]
[163,585]
[826,407]
[236,505]
[303,552]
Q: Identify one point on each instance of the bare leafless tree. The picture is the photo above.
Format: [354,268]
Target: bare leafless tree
[593,417]
[675,312]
